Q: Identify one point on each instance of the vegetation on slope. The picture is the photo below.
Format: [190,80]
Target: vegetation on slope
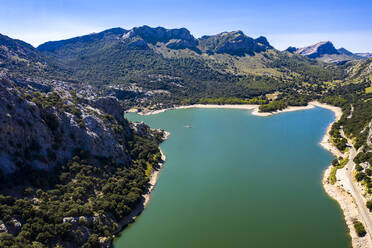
[79,203]
[56,188]
[82,199]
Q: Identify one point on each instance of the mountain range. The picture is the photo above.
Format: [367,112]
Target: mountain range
[72,167]
[167,66]
[159,61]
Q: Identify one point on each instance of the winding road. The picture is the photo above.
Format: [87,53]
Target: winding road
[352,188]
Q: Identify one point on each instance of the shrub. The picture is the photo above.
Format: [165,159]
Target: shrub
[358,167]
[335,162]
[359,228]
[359,176]
[369,205]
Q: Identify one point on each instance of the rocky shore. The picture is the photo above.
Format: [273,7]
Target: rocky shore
[337,191]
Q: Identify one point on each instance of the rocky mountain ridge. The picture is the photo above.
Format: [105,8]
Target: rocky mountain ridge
[234,43]
[326,52]
[172,38]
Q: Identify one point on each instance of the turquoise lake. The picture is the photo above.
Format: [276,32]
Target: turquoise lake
[238,180]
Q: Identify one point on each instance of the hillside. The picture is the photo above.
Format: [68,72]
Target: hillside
[67,166]
[23,60]
[170,65]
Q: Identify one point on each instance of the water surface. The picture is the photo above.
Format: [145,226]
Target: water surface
[238,180]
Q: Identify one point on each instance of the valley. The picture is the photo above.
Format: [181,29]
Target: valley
[73,167]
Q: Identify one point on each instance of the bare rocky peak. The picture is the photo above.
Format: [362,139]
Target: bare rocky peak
[317,50]
[174,38]
[326,52]
[234,43]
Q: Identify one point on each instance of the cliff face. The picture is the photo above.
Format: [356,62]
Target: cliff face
[233,43]
[173,38]
[44,129]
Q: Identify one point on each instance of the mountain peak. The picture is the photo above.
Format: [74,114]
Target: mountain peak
[326,52]
[177,38]
[263,41]
[318,49]
[233,43]
[291,49]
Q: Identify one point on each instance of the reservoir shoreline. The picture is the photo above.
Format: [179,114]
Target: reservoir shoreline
[336,191]
[146,196]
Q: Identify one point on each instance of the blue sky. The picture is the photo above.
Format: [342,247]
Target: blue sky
[347,23]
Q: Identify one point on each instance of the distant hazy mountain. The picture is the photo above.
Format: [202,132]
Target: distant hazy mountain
[365,55]
[318,49]
[326,52]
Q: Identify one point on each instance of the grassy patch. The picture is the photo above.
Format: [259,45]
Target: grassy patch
[148,170]
[272,96]
[332,176]
[369,89]
[343,162]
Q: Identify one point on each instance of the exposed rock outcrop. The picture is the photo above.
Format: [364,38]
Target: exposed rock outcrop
[234,43]
[291,49]
[326,52]
[174,38]
[317,50]
[44,129]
